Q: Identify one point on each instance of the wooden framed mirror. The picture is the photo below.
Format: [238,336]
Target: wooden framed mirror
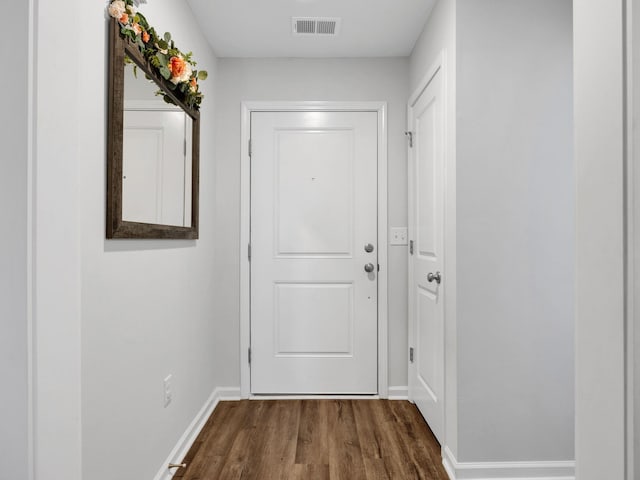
[153,147]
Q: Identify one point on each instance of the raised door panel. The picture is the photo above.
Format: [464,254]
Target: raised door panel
[314,320]
[314,192]
[426,173]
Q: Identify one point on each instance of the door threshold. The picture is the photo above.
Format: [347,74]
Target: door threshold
[328,396]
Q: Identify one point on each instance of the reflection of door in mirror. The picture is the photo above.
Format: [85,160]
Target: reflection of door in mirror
[156,180]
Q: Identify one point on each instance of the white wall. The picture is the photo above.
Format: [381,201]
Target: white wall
[515,211]
[600,270]
[56,236]
[147,306]
[304,79]
[14,351]
[438,36]
[439,33]
[113,318]
[509,235]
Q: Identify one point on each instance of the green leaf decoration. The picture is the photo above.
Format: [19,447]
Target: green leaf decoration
[153,60]
[168,99]
[142,20]
[165,72]
[162,59]
[135,30]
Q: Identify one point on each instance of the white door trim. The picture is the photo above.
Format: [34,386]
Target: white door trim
[600,240]
[632,214]
[245,215]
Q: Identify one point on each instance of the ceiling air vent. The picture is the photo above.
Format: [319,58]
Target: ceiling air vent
[326,27]
[315,26]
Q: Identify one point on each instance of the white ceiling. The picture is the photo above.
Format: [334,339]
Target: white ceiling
[262,28]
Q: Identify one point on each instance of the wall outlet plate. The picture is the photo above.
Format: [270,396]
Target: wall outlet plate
[398,236]
[168,394]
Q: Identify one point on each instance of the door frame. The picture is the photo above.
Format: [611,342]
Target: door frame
[632,224]
[247,107]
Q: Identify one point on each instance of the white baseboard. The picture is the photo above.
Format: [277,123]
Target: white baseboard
[313,397]
[507,470]
[189,437]
[399,393]
[394,393]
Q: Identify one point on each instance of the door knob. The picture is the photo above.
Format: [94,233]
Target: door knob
[369,267]
[431,277]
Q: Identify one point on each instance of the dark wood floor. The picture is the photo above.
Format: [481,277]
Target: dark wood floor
[314,439]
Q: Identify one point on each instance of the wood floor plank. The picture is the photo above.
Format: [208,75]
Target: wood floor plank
[419,442]
[368,430]
[312,447]
[232,416]
[377,469]
[274,445]
[314,440]
[229,439]
[381,423]
[203,469]
[345,455]
[247,448]
[307,472]
[214,441]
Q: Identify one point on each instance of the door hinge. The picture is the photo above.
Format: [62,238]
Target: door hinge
[411,354]
[250,149]
[410,137]
[249,252]
[411,247]
[185,148]
[249,355]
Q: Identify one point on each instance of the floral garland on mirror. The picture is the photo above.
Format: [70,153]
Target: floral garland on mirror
[174,66]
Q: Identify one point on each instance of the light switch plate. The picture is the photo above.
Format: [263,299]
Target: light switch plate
[398,236]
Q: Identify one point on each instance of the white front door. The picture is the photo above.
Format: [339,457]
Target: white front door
[426,275]
[313,222]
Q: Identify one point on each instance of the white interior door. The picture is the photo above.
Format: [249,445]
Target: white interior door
[313,212]
[426,275]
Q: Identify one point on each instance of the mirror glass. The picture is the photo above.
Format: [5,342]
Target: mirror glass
[156,154]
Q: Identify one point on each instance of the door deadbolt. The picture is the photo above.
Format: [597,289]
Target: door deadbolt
[368,248]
